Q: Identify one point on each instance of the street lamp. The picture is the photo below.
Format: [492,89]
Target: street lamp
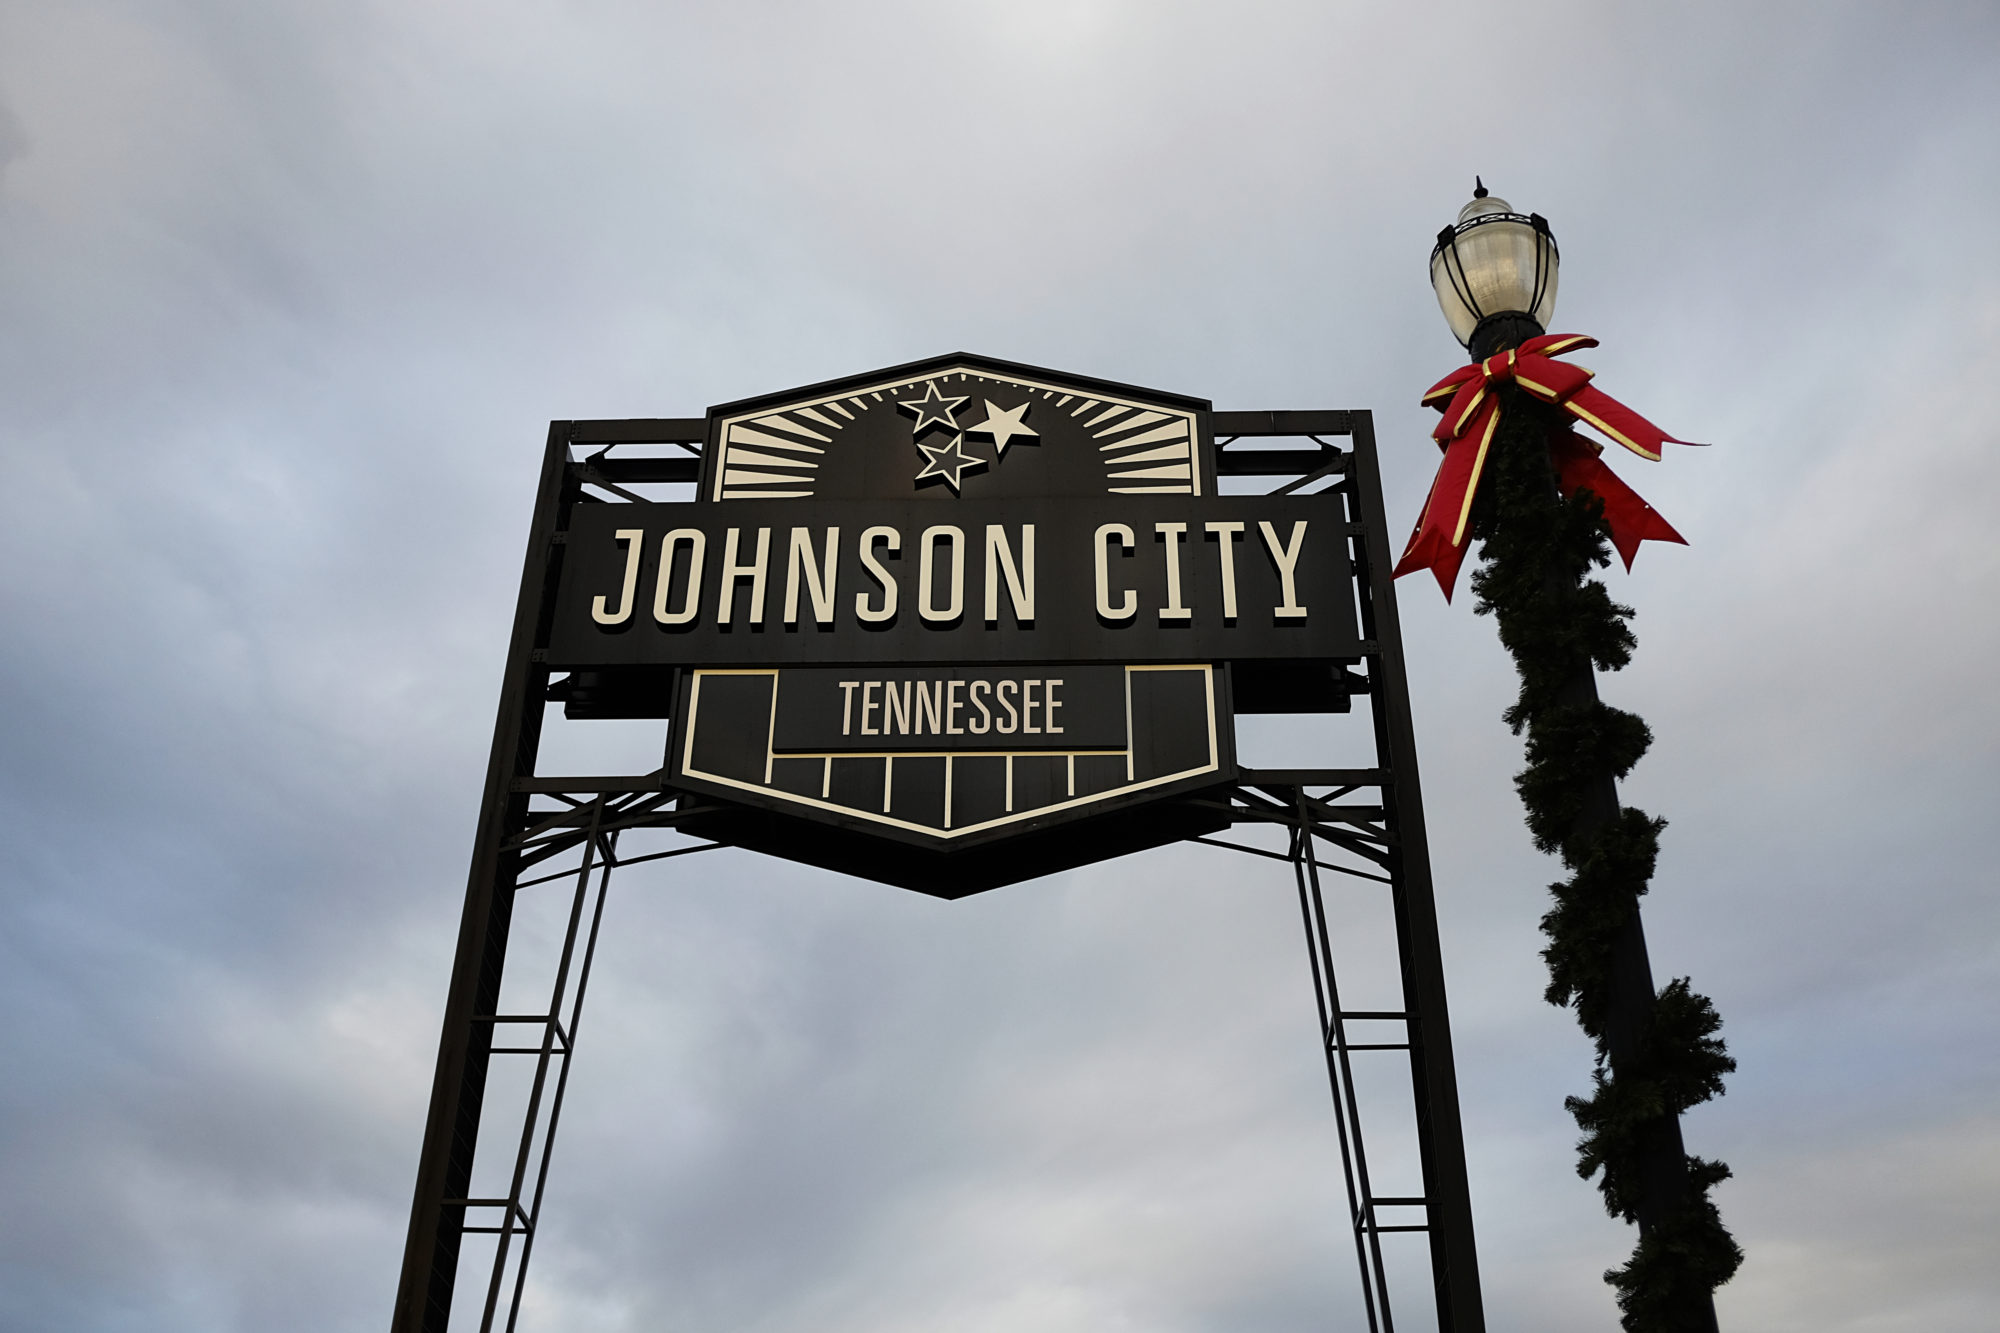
[1517,478]
[1494,272]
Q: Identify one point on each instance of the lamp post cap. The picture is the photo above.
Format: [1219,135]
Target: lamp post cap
[1482,204]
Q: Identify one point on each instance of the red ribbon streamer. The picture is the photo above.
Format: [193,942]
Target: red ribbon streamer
[1471,414]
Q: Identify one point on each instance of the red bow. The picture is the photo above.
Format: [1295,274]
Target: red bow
[1472,411]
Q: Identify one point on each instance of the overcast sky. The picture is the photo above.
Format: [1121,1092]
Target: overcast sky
[287,295]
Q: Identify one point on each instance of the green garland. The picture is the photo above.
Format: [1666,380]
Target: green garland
[1537,555]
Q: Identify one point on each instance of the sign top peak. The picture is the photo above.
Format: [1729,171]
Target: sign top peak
[958,425]
[952,363]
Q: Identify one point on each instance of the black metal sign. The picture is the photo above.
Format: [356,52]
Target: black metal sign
[959,604]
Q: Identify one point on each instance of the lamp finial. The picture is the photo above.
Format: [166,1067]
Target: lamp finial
[1478,188]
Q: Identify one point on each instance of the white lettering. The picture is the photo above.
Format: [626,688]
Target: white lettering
[1173,610]
[697,544]
[1225,551]
[926,592]
[819,575]
[930,706]
[1287,561]
[634,539]
[1129,605]
[1020,579]
[887,611]
[1000,693]
[933,705]
[754,571]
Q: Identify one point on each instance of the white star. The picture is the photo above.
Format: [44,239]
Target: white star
[932,408]
[1004,425]
[949,461]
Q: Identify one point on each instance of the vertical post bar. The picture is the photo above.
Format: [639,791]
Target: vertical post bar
[562,1080]
[1329,1035]
[531,1118]
[1440,1134]
[1340,1070]
[451,1130]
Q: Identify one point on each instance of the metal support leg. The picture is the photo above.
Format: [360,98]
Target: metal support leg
[1340,1075]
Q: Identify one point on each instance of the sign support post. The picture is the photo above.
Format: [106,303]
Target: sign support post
[1441,1134]
[451,1132]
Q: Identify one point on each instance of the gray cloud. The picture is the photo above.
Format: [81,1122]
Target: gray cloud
[285,298]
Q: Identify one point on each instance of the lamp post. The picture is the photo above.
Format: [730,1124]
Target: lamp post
[1542,532]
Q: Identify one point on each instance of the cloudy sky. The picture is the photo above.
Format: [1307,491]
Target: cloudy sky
[287,295]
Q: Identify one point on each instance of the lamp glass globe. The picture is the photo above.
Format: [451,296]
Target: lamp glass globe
[1495,261]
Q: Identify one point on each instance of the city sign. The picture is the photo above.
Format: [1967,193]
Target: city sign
[953,605]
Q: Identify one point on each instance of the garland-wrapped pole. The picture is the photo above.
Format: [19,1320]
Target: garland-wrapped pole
[1658,1054]
[1546,513]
